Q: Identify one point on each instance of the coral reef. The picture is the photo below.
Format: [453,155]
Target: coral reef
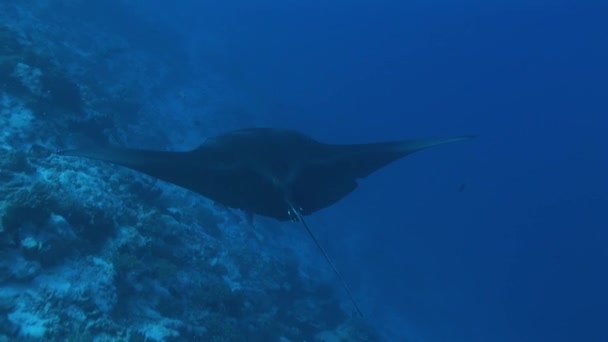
[35,78]
[98,253]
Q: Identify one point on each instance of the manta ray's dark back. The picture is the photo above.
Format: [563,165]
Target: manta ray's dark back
[271,172]
[266,171]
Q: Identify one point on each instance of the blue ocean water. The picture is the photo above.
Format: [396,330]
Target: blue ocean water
[502,238]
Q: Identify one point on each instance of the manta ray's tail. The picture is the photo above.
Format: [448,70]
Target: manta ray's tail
[316,241]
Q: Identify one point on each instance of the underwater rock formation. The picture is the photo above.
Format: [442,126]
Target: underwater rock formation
[103,254]
[33,77]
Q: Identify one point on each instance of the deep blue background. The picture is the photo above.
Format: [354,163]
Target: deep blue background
[520,254]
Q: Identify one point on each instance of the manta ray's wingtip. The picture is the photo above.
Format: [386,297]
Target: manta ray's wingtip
[465,138]
[64,152]
[75,152]
[461,138]
[410,146]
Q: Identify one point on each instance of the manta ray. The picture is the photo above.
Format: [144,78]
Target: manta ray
[277,173]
